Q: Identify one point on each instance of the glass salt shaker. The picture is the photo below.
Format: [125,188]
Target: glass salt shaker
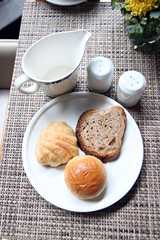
[130,88]
[99,74]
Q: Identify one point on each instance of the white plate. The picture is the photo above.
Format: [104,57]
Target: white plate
[66,2]
[49,182]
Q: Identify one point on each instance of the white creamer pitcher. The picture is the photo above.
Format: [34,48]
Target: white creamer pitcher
[51,63]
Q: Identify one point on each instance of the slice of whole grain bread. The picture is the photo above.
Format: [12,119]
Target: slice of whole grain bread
[100,133]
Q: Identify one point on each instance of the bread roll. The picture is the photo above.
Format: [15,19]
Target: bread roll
[85,176]
[100,133]
[56,144]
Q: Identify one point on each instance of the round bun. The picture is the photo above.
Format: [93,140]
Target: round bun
[85,176]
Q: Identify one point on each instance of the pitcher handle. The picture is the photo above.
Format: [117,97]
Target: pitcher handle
[26,90]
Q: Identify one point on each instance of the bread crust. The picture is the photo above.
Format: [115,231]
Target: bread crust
[118,125]
[85,176]
[56,144]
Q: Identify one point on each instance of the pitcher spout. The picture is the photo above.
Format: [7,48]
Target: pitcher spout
[78,44]
[85,36]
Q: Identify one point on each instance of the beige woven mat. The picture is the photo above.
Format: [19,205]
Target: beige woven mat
[24,213]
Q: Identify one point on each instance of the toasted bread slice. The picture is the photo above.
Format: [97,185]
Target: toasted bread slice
[100,133]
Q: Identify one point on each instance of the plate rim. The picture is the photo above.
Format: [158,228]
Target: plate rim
[37,116]
[68,3]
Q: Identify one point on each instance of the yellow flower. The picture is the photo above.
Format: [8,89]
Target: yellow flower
[141,7]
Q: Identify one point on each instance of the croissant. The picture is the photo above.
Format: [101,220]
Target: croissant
[56,144]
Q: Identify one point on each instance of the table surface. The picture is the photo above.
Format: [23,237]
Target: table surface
[24,213]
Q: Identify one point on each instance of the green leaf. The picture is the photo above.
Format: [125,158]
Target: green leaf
[113,3]
[155,14]
[139,29]
[118,4]
[158,30]
[143,21]
[131,28]
[127,16]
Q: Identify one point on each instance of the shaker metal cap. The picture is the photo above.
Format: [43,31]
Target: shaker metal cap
[132,82]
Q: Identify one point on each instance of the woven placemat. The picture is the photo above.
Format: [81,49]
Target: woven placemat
[24,213]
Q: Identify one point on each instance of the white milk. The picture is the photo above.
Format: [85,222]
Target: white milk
[57,73]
